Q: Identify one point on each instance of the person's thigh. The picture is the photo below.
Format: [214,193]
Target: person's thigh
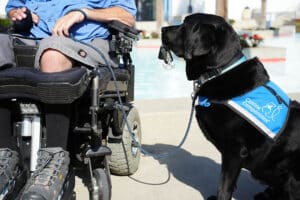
[8,43]
[6,51]
[87,54]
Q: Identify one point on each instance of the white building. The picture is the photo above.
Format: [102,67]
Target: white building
[173,9]
[2,8]
[235,7]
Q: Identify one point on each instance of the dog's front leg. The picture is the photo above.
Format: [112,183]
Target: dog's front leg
[231,168]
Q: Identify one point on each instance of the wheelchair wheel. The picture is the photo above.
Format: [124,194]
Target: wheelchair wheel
[125,156]
[102,189]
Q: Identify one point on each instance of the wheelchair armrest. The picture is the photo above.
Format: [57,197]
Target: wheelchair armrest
[117,26]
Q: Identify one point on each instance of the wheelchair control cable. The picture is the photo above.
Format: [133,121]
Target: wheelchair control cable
[16,35]
[135,142]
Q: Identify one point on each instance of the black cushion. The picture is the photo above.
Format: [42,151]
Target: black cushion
[60,87]
[55,88]
[33,76]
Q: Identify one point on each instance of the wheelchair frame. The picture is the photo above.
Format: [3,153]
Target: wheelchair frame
[101,123]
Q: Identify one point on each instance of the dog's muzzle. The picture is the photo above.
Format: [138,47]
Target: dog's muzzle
[165,55]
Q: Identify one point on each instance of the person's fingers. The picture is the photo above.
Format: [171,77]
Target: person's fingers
[19,14]
[66,31]
[61,28]
[35,18]
[55,30]
[63,25]
[23,9]
[58,30]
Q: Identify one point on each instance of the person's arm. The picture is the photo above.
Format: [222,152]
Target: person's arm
[109,14]
[104,15]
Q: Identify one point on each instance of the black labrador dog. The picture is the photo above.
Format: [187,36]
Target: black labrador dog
[214,60]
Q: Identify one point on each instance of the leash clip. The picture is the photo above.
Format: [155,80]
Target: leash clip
[196,88]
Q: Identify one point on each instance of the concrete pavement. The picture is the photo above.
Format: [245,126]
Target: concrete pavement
[192,173]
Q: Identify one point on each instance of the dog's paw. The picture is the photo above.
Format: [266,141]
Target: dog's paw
[212,198]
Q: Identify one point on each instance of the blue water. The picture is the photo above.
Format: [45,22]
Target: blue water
[286,74]
[152,81]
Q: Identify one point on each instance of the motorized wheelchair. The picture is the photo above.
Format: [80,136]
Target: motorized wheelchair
[102,97]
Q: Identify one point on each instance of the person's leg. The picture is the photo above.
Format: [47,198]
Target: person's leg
[10,162]
[7,140]
[11,168]
[54,61]
[59,53]
[6,60]
[51,173]
[6,51]
[57,119]
[53,161]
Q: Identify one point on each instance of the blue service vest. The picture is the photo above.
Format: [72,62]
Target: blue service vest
[266,107]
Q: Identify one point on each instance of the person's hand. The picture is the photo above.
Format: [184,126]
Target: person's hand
[20,14]
[63,25]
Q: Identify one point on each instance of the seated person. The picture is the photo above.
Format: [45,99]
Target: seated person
[65,26]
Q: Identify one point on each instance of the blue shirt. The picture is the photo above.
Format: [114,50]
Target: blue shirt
[51,10]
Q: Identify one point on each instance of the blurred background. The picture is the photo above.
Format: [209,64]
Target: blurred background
[254,14]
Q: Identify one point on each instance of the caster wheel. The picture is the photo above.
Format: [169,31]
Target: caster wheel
[102,185]
[73,196]
[125,156]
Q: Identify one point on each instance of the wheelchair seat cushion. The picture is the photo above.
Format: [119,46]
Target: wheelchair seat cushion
[33,76]
[57,88]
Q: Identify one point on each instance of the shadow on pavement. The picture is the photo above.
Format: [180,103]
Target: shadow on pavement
[201,173]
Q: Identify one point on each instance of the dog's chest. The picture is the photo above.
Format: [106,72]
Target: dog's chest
[266,108]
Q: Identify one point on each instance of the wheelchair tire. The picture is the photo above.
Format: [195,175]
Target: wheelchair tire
[125,157]
[102,190]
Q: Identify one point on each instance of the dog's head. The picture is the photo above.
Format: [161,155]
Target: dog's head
[205,42]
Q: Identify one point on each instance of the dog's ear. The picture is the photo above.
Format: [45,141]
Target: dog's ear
[214,43]
[199,40]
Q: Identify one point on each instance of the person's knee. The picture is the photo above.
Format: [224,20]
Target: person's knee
[54,61]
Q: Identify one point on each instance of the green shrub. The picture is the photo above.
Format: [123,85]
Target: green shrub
[154,35]
[4,22]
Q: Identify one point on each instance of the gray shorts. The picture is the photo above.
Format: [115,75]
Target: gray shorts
[6,51]
[92,54]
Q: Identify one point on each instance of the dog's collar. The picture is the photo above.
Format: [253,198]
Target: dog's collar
[217,72]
